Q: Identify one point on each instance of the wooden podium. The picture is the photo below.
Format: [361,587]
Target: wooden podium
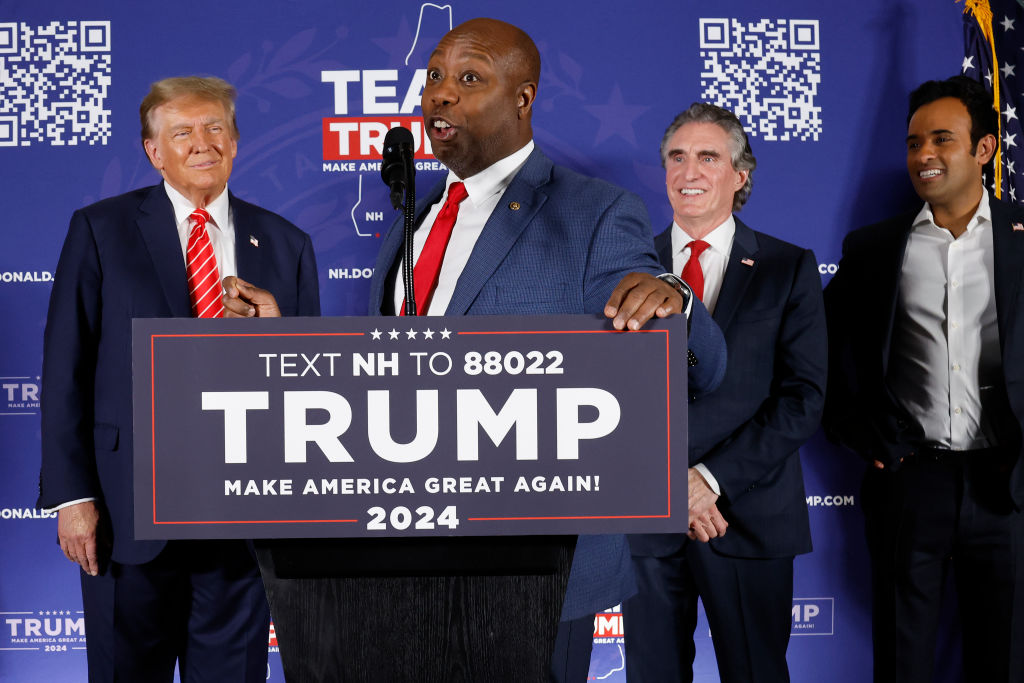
[445,610]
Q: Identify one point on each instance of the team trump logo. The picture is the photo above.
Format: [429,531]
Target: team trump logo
[813,617]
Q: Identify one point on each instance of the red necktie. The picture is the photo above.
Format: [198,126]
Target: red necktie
[693,274]
[204,288]
[428,265]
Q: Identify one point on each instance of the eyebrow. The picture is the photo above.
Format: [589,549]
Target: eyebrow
[701,153]
[931,132]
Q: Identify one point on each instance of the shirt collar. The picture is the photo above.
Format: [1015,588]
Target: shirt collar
[982,214]
[493,179]
[218,208]
[719,239]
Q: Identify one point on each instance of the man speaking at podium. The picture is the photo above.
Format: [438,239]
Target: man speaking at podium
[508,232]
[159,251]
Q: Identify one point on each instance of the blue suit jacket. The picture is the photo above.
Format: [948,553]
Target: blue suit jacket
[121,260]
[561,252]
[862,412]
[747,431]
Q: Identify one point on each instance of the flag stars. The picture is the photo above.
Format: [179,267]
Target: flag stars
[1008,140]
[988,77]
[1010,113]
[968,64]
[1009,166]
[1007,23]
[1007,70]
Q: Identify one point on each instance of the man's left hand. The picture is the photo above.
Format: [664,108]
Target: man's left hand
[244,300]
[639,297]
[699,495]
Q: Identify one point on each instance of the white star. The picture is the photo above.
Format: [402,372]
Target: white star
[1007,23]
[1008,140]
[375,334]
[428,333]
[968,64]
[411,334]
[393,333]
[1009,166]
[1007,70]
[988,77]
[1010,113]
[446,333]
[1013,195]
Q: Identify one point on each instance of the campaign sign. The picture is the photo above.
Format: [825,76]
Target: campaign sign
[373,427]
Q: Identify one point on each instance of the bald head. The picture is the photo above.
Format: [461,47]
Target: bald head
[514,49]
[478,98]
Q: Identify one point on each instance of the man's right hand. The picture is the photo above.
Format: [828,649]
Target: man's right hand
[78,533]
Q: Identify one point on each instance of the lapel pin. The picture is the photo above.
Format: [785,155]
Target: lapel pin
[253,241]
[747,261]
[1018,226]
[514,206]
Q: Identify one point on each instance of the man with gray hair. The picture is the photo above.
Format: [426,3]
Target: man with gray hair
[748,517]
[158,252]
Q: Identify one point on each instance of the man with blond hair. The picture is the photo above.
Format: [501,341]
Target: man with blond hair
[159,251]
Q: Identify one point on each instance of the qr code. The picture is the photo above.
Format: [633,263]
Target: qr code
[766,72]
[54,81]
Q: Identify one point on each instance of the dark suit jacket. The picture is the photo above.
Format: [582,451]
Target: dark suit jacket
[121,260]
[861,411]
[562,251]
[747,431]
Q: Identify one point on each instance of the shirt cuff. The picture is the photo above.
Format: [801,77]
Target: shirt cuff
[68,504]
[709,478]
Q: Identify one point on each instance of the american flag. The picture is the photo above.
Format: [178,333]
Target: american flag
[993,48]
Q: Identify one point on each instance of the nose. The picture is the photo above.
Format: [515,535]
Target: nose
[691,168]
[441,92]
[200,139]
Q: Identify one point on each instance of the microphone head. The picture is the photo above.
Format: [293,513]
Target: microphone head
[397,161]
[395,138]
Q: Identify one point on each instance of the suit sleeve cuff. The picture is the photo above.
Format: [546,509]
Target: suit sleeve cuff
[708,477]
[68,504]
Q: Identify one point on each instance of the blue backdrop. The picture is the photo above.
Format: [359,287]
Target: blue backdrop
[821,86]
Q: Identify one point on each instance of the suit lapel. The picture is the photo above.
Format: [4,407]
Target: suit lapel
[159,232]
[737,274]
[1008,246]
[888,272]
[249,257]
[502,229]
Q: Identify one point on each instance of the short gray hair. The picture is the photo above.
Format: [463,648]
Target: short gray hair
[741,154]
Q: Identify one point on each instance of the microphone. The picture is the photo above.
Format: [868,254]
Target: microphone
[397,157]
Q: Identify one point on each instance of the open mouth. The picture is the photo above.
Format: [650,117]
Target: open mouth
[441,130]
[691,192]
[929,173]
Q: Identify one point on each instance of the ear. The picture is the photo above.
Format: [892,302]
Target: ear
[743,175]
[525,95]
[985,149]
[153,154]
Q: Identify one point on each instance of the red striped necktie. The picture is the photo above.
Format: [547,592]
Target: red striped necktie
[204,289]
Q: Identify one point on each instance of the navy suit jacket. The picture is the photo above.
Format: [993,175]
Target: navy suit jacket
[121,260]
[862,412]
[561,251]
[747,431]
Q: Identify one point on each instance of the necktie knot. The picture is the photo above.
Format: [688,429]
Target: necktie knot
[200,216]
[456,193]
[697,248]
[692,273]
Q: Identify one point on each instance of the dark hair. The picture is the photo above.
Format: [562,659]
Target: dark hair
[984,118]
[741,155]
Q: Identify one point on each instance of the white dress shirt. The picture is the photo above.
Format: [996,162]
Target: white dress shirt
[220,228]
[713,261]
[945,352]
[484,190]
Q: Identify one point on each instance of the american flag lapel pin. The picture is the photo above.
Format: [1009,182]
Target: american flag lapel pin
[747,261]
[1018,227]
[253,241]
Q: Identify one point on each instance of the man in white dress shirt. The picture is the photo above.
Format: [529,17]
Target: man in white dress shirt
[926,386]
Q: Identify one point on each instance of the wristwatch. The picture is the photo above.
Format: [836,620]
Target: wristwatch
[687,293]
